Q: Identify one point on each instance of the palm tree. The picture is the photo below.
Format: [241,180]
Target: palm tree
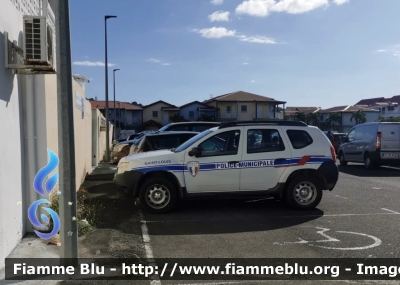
[359,117]
[334,118]
[313,118]
[300,116]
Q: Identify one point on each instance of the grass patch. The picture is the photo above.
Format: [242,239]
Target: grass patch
[88,211]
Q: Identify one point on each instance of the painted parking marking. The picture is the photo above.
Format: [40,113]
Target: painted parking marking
[338,196]
[394,212]
[329,239]
[390,212]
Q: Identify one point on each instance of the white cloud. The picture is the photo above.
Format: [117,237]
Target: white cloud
[253,81]
[262,8]
[259,8]
[216,32]
[340,2]
[217,2]
[155,60]
[245,63]
[219,16]
[92,63]
[394,50]
[257,39]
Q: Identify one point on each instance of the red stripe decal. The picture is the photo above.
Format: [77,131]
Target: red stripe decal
[304,160]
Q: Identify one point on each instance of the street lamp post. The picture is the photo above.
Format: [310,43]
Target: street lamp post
[106,66]
[115,114]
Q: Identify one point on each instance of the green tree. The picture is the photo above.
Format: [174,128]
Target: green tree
[175,118]
[286,117]
[381,118]
[205,118]
[300,116]
[359,117]
[333,119]
[313,118]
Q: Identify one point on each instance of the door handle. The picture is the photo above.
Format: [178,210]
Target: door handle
[280,159]
[231,162]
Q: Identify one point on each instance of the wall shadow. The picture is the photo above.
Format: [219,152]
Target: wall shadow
[6,75]
[360,171]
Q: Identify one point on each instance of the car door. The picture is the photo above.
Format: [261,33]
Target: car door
[217,168]
[263,159]
[349,147]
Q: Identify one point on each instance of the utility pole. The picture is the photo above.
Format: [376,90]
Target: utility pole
[66,139]
[115,114]
[106,64]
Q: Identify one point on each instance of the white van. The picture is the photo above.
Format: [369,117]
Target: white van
[373,144]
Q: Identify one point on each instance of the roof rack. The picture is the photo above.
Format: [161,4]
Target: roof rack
[267,122]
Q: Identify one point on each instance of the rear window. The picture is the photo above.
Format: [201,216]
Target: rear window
[299,138]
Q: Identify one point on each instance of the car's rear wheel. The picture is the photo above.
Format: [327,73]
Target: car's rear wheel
[368,162]
[157,196]
[342,160]
[304,193]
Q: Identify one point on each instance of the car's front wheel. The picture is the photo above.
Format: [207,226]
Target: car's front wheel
[157,195]
[342,160]
[304,193]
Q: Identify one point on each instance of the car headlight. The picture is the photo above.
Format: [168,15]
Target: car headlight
[122,167]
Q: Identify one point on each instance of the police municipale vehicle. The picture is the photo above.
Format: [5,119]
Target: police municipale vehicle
[282,159]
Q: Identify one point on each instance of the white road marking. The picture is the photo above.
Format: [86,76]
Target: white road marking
[338,196]
[397,213]
[322,231]
[376,188]
[282,217]
[154,279]
[377,242]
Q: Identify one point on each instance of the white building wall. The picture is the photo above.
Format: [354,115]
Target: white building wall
[12,201]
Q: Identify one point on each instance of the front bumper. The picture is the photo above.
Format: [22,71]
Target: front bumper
[127,182]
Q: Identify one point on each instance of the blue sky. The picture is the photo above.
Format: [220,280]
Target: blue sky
[321,53]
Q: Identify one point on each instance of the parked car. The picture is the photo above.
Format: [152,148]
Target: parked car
[189,126]
[373,144]
[120,150]
[338,139]
[296,168]
[164,140]
[133,136]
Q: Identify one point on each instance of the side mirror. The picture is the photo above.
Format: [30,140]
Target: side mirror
[196,151]
[346,139]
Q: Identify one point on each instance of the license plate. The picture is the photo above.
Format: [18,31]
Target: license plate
[390,155]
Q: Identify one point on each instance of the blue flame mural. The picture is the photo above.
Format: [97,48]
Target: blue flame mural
[49,185]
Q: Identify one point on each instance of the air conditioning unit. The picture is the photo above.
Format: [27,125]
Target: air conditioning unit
[38,43]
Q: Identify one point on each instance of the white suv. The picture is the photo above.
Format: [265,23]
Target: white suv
[283,159]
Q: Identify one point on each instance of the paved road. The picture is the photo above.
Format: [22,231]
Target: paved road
[360,218]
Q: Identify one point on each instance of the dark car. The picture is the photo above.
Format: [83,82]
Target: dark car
[338,139]
[189,126]
[120,150]
[163,140]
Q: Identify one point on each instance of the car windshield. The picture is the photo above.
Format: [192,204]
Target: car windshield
[194,139]
[164,128]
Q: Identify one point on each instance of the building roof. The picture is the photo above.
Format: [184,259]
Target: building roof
[160,101]
[242,96]
[152,123]
[306,110]
[347,109]
[196,102]
[369,102]
[101,105]
[394,99]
